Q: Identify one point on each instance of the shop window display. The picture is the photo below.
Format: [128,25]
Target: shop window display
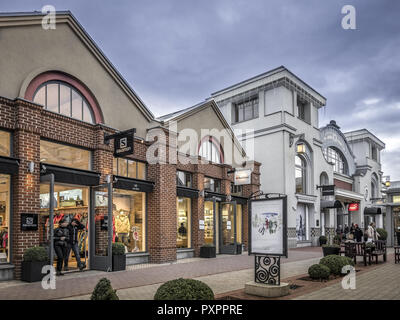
[4,218]
[70,202]
[183,222]
[129,209]
[239,208]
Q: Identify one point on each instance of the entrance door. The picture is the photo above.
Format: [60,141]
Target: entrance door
[227,228]
[46,217]
[101,228]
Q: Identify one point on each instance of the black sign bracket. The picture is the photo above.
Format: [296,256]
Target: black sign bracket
[123,142]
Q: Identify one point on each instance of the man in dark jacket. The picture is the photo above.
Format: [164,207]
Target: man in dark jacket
[73,243]
[358,233]
[61,237]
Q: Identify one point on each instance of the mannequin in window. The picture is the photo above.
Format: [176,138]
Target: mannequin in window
[182,230]
[122,226]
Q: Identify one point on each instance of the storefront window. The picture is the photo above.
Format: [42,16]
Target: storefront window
[213,185]
[5,143]
[208,222]
[4,218]
[236,190]
[63,155]
[239,216]
[183,179]
[300,174]
[183,222]
[396,199]
[129,168]
[129,215]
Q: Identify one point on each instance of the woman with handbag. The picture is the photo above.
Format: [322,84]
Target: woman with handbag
[61,237]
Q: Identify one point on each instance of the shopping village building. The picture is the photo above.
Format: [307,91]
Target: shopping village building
[59,98]
[298,157]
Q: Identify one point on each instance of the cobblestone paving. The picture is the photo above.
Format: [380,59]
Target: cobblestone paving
[82,284]
[382,283]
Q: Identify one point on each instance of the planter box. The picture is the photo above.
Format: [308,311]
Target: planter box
[118,262]
[208,252]
[32,271]
[329,250]
[322,242]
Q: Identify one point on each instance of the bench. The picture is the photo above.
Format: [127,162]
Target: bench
[357,249]
[380,250]
[396,254]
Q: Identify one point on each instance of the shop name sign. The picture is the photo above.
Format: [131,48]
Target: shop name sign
[354,207]
[123,142]
[242,177]
[328,190]
[29,222]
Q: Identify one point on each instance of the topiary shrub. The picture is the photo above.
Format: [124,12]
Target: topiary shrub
[337,239]
[184,289]
[104,291]
[118,249]
[335,263]
[319,271]
[382,233]
[36,254]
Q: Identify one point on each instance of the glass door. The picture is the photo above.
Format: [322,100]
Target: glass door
[227,228]
[46,216]
[101,228]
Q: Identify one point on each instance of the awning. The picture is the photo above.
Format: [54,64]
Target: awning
[239,200]
[372,210]
[187,192]
[9,165]
[72,176]
[330,204]
[214,195]
[133,184]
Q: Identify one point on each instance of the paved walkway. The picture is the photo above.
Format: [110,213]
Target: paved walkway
[219,273]
[382,283]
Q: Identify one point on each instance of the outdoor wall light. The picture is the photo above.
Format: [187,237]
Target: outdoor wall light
[301,148]
[387,184]
[31,167]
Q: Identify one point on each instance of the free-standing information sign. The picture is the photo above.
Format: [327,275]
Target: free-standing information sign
[268,225]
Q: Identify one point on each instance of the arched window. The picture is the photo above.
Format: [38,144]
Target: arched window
[211,150]
[301,175]
[63,98]
[334,156]
[374,186]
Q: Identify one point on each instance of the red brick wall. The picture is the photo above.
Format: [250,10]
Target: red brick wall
[343,185]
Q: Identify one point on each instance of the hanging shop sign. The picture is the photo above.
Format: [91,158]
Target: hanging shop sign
[268,226]
[328,190]
[354,207]
[242,177]
[123,142]
[29,222]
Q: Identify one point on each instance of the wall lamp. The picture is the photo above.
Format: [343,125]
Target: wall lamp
[31,167]
[292,137]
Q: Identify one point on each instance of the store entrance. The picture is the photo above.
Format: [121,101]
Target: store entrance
[70,202]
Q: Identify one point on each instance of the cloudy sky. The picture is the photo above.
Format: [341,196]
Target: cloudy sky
[175,53]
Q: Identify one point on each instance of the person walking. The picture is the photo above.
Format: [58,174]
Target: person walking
[358,233]
[73,243]
[61,237]
[372,233]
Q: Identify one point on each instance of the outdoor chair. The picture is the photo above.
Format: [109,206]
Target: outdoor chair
[360,250]
[396,254]
[380,250]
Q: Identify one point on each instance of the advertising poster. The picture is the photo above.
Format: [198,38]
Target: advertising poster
[268,226]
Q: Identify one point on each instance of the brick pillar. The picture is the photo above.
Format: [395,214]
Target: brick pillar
[161,207]
[248,190]
[26,186]
[197,214]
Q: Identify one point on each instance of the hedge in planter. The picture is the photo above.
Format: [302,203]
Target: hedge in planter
[329,249]
[382,233]
[336,263]
[34,260]
[184,289]
[319,271]
[118,257]
[104,291]
[208,251]
[323,240]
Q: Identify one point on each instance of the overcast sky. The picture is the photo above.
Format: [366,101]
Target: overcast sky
[175,53]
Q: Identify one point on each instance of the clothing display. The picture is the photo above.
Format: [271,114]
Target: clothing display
[122,224]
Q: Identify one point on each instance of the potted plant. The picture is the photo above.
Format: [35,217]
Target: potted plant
[337,239]
[118,257]
[370,246]
[34,260]
[329,249]
[104,291]
[382,233]
[323,240]
[208,250]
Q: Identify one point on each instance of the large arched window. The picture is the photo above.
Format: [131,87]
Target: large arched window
[334,156]
[61,97]
[211,150]
[301,175]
